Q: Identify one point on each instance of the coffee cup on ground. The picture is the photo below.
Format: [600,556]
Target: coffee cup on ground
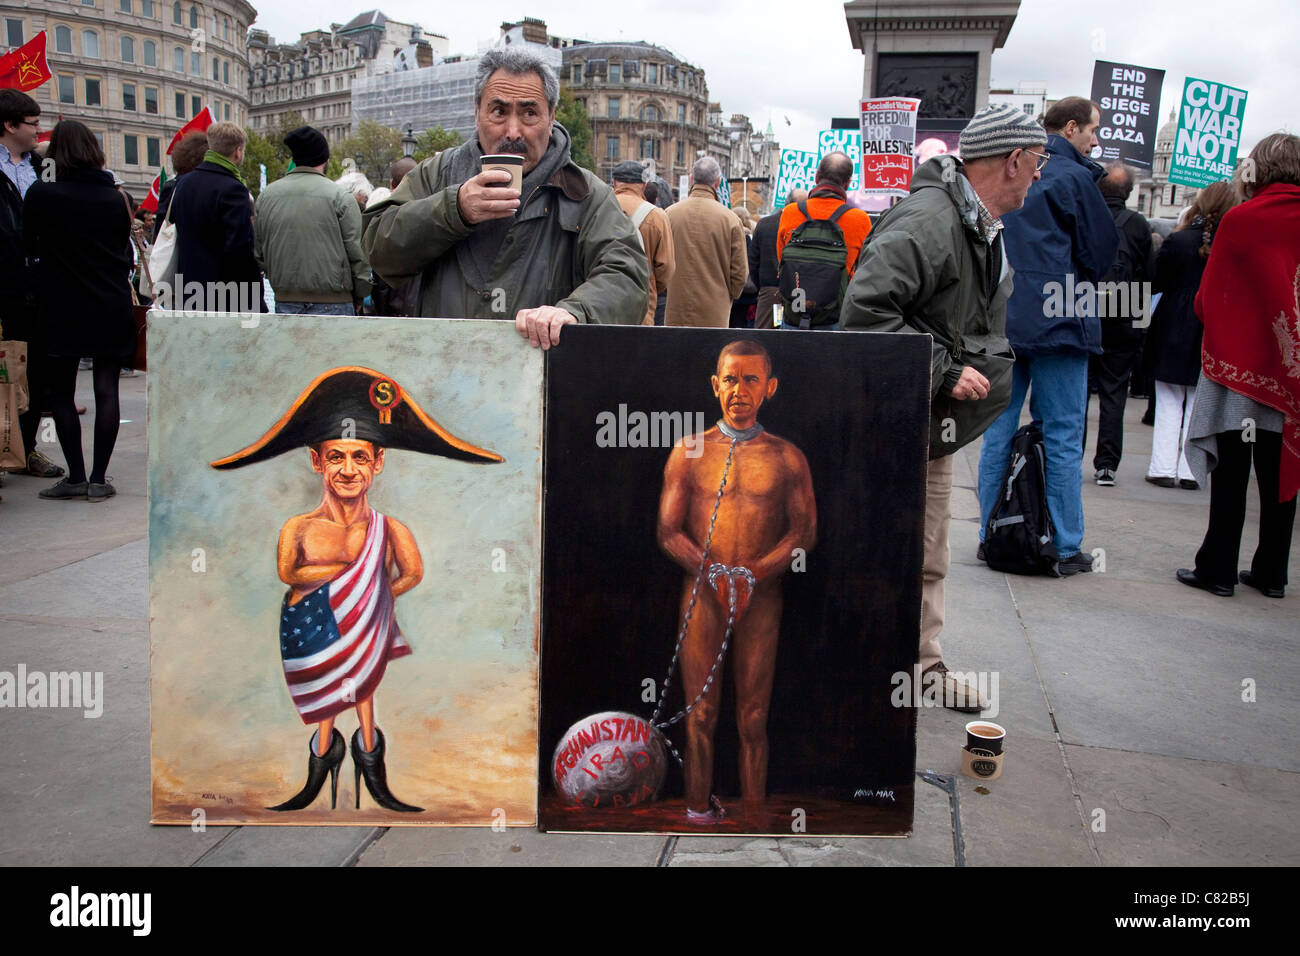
[985,735]
[512,163]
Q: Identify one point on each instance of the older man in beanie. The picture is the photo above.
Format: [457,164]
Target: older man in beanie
[1061,243]
[935,265]
[306,227]
[630,180]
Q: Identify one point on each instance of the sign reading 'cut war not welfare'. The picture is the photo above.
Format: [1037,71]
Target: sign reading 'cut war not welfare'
[844,141]
[1209,131]
[798,171]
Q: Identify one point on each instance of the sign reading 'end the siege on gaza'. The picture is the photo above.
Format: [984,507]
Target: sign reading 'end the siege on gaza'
[1209,131]
[1129,101]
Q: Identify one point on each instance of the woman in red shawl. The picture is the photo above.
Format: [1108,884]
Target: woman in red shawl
[1248,396]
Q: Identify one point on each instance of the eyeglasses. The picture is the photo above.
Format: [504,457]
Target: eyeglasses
[1042,159]
[34,124]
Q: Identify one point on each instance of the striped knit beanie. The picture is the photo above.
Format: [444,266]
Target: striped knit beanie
[997,130]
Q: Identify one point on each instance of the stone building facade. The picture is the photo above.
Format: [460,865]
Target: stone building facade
[645,104]
[750,159]
[315,75]
[135,71]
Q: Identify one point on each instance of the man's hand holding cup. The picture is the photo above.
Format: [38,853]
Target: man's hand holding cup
[495,192]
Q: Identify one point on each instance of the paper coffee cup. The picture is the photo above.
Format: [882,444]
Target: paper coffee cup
[985,735]
[982,764]
[512,163]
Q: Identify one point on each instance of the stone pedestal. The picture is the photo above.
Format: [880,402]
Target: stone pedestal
[939,50]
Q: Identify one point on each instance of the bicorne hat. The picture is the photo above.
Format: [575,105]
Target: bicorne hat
[358,403]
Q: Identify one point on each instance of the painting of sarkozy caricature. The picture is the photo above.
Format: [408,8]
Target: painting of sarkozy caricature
[345,564]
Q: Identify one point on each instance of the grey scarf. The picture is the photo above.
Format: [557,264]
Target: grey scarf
[477,253]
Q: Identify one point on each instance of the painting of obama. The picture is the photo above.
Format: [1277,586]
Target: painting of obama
[717,656]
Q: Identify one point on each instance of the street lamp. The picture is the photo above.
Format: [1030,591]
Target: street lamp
[408,143]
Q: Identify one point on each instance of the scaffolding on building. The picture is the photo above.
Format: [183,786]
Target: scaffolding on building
[438,95]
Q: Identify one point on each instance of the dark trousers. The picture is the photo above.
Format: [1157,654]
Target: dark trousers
[1111,370]
[660,305]
[1216,562]
[768,296]
[38,386]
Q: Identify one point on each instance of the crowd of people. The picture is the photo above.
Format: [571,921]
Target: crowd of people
[970,257]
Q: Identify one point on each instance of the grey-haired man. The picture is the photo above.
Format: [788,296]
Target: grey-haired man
[560,251]
[935,265]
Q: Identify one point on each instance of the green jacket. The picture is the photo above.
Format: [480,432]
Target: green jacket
[925,268]
[570,245]
[307,237]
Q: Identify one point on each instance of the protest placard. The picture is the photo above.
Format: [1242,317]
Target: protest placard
[798,171]
[1129,100]
[845,141]
[888,140]
[1209,131]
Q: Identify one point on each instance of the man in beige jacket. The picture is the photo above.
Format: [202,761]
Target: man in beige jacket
[652,223]
[712,264]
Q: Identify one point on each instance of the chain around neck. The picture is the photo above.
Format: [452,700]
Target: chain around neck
[739,434]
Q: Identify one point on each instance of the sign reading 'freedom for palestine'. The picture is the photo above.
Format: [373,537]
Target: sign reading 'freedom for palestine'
[1209,131]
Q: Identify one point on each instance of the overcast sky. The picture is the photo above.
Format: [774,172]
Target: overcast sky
[761,60]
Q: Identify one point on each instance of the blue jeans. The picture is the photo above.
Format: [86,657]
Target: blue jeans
[314,308]
[1059,403]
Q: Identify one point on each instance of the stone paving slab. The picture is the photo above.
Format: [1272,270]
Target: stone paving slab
[74,791]
[482,846]
[1169,811]
[305,846]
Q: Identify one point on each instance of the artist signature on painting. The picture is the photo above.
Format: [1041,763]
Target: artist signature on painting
[861,794]
[220,798]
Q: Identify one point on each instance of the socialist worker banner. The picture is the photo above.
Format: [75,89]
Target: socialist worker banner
[1209,132]
[1129,101]
[888,139]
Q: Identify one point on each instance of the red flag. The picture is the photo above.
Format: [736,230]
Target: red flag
[150,203]
[25,68]
[202,120]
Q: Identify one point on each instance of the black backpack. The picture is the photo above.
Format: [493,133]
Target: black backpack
[812,274]
[1019,536]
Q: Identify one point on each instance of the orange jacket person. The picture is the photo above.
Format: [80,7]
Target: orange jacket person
[834,174]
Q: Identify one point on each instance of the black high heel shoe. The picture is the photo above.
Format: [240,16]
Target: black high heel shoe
[317,767]
[372,766]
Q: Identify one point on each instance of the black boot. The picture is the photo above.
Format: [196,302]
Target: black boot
[317,767]
[372,765]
